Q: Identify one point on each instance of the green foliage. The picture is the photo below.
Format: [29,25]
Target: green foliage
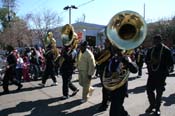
[3,17]
[164,27]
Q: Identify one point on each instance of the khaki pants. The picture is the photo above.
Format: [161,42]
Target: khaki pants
[84,81]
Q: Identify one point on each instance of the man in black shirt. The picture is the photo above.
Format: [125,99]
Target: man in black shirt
[158,60]
[10,73]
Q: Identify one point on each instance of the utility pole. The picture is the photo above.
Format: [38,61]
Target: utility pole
[144,11]
[69,8]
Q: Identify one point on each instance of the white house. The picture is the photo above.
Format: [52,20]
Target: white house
[93,33]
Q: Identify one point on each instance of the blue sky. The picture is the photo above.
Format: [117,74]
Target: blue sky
[99,11]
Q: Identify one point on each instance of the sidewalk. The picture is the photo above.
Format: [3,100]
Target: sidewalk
[32,100]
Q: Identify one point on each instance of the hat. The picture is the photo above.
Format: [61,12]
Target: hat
[157,37]
[84,43]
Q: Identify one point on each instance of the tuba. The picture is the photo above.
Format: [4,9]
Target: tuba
[126,30]
[69,39]
[50,45]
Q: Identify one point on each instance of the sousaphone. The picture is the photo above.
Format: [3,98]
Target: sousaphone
[126,30]
[69,39]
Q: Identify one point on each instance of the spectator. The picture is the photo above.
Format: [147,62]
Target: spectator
[10,73]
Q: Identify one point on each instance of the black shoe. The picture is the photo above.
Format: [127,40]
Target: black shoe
[125,113]
[75,92]
[149,109]
[64,97]
[19,87]
[102,108]
[5,92]
[157,113]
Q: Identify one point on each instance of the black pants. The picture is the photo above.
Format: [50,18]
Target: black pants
[49,71]
[155,98]
[67,83]
[10,76]
[35,71]
[140,66]
[117,100]
[46,76]
[19,74]
[105,94]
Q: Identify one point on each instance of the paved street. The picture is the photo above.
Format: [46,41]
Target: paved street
[32,100]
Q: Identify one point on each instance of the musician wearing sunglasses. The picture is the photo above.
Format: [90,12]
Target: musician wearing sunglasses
[158,60]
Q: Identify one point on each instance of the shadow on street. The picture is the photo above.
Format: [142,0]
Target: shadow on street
[170,100]
[25,89]
[137,90]
[46,107]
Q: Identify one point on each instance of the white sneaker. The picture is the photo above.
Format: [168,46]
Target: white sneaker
[54,84]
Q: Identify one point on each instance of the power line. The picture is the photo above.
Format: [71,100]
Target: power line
[85,3]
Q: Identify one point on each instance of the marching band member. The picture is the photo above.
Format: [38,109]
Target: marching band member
[67,60]
[49,40]
[86,68]
[158,60]
[50,66]
[102,61]
[139,56]
[115,70]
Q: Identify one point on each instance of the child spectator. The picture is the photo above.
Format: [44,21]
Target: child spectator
[25,71]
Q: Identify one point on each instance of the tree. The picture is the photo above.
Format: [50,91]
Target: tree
[3,18]
[40,23]
[16,35]
[7,12]
[81,19]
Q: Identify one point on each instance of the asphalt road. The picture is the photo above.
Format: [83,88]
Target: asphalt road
[33,100]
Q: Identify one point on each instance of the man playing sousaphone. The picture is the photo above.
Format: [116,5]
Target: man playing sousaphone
[50,66]
[102,61]
[125,35]
[67,60]
[51,55]
[50,41]
[115,82]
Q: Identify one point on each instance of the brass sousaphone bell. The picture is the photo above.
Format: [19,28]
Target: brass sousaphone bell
[126,30]
[68,35]
[69,39]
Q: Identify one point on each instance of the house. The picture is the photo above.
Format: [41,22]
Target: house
[86,31]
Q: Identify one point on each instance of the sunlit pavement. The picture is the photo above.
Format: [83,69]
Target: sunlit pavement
[33,100]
